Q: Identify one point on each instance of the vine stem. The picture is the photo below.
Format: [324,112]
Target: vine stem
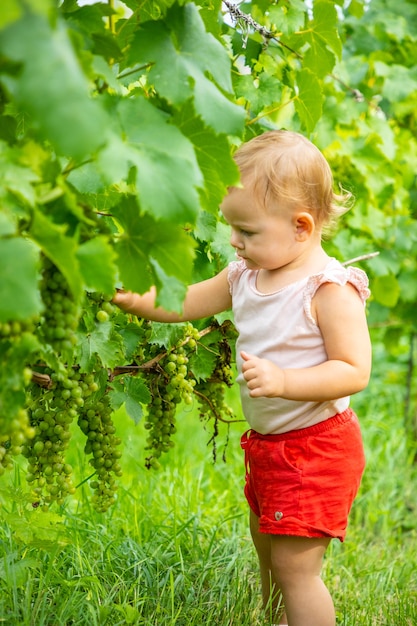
[363,257]
[44,380]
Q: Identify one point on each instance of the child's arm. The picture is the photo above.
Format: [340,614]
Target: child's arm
[203,299]
[341,318]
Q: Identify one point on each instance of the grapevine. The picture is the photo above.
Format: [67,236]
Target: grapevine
[59,395]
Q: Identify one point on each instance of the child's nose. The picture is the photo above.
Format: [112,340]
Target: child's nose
[235,240]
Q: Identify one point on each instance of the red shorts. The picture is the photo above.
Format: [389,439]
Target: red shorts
[303,482]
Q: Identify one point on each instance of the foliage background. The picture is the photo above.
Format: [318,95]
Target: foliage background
[117,126]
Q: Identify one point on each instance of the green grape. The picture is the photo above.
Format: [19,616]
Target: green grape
[102,316]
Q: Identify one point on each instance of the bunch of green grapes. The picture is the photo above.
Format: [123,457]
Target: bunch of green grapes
[170,384]
[52,412]
[211,393]
[61,313]
[15,427]
[95,421]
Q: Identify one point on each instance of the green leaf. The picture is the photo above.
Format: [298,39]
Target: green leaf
[166,335]
[187,62]
[145,241]
[288,17]
[137,390]
[101,342]
[7,225]
[11,11]
[386,290]
[308,102]
[97,265]
[59,248]
[134,410]
[213,155]
[133,393]
[324,27]
[19,295]
[14,177]
[52,87]
[167,173]
[171,291]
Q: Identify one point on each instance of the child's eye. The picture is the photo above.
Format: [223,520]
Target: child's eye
[246,233]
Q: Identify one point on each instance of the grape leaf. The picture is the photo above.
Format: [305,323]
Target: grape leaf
[133,336]
[59,248]
[97,265]
[167,173]
[213,156]
[184,57]
[170,291]
[133,392]
[137,390]
[386,290]
[145,240]
[52,87]
[102,343]
[166,335]
[202,363]
[14,177]
[19,295]
[11,11]
[288,17]
[324,27]
[308,102]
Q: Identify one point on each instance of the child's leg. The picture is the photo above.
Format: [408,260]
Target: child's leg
[296,564]
[271,593]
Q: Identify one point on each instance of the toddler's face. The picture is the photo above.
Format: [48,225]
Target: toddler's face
[265,240]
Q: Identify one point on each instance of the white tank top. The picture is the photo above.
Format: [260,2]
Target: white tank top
[279,327]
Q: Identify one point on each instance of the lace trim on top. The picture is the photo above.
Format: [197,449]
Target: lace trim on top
[235,269]
[339,275]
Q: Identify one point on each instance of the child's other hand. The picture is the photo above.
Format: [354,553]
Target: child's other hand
[263,377]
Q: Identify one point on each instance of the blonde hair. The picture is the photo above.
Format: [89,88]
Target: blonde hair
[282,166]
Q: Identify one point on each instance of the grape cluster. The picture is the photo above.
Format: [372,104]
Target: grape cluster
[51,413]
[170,384]
[15,427]
[60,316]
[211,392]
[102,444]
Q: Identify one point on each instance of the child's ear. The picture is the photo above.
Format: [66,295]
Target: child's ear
[304,226]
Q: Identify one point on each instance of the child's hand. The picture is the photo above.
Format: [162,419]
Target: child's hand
[123,299]
[263,377]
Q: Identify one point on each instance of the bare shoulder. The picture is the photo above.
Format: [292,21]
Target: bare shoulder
[335,299]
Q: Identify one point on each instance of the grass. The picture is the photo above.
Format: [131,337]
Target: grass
[175,550]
